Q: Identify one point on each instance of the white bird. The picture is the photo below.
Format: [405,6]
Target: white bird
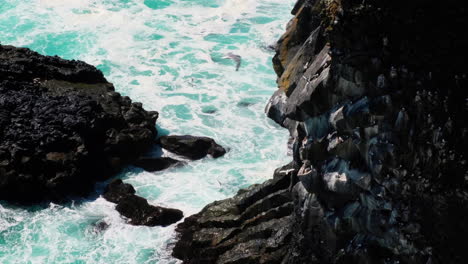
[234,57]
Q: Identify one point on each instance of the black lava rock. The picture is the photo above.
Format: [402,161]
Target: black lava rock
[63,127]
[156,164]
[118,190]
[140,212]
[374,96]
[192,147]
[137,208]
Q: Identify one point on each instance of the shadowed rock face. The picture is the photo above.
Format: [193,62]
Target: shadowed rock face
[63,127]
[374,96]
[156,164]
[192,147]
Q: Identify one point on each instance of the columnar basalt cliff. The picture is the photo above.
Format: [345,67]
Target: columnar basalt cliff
[374,96]
[63,127]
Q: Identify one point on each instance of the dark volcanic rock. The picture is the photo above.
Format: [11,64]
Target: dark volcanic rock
[242,229]
[24,64]
[63,127]
[140,212]
[192,147]
[137,208]
[374,96]
[117,190]
[156,164]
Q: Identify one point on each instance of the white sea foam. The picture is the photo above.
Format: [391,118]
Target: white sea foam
[169,59]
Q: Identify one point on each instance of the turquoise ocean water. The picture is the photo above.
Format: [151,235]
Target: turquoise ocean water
[166,54]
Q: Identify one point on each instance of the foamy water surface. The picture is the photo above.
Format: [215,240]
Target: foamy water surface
[166,54]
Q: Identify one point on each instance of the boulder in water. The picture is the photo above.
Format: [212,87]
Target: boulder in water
[140,212]
[192,147]
[156,164]
[137,208]
[117,190]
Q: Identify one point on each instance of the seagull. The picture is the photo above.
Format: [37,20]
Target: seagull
[234,57]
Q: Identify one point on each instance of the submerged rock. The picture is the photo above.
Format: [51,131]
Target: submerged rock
[99,227]
[192,147]
[136,208]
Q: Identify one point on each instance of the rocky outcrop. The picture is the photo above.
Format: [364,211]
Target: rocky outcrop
[117,190]
[374,96]
[242,229]
[192,147]
[156,164]
[136,208]
[63,127]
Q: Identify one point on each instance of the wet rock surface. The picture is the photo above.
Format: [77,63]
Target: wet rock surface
[99,227]
[242,229]
[156,164]
[136,208]
[63,127]
[374,96]
[117,190]
[192,147]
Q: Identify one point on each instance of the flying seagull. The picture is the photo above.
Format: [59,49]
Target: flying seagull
[234,57]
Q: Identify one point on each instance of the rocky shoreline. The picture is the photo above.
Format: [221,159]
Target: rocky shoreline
[63,127]
[373,94]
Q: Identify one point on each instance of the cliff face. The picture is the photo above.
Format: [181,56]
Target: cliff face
[63,127]
[374,96]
